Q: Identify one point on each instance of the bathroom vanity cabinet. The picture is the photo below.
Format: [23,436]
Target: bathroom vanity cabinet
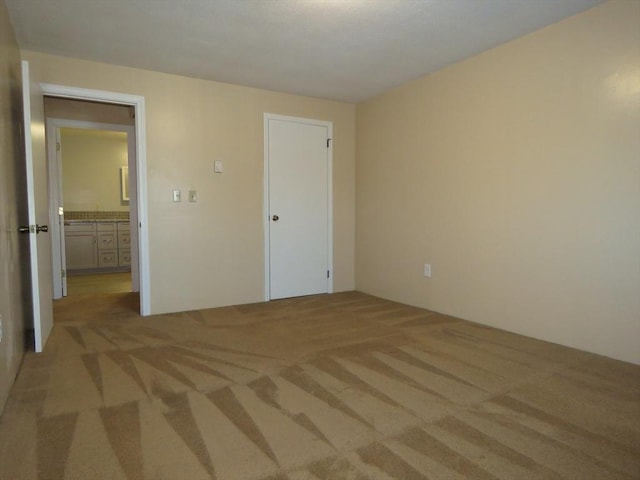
[97,245]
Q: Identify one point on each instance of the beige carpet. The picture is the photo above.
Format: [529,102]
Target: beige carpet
[343,386]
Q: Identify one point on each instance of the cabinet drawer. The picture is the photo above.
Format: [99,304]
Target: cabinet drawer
[107,241]
[80,227]
[124,240]
[124,227]
[124,257]
[108,258]
[106,226]
[81,250]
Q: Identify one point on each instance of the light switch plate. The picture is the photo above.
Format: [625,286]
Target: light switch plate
[217,166]
[427,270]
[176,196]
[193,196]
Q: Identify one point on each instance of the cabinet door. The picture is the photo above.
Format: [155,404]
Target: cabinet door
[81,250]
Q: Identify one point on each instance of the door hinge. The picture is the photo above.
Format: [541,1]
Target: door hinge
[328,274]
[328,140]
[57,146]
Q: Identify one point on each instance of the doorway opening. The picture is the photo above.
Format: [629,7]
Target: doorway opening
[96,157]
[92,189]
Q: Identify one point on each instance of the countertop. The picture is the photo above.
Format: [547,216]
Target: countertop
[99,220]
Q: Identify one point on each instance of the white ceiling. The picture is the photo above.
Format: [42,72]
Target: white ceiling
[346,50]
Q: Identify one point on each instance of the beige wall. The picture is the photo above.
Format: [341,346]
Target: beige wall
[516,174]
[14,297]
[211,253]
[91,161]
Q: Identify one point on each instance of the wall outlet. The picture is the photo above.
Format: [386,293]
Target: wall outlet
[427,270]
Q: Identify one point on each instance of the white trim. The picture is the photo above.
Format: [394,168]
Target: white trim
[266,210]
[54,173]
[76,93]
[138,103]
[330,206]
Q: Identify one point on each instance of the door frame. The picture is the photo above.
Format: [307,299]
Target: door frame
[266,187]
[138,103]
[56,189]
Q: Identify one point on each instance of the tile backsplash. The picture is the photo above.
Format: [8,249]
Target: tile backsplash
[97,215]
